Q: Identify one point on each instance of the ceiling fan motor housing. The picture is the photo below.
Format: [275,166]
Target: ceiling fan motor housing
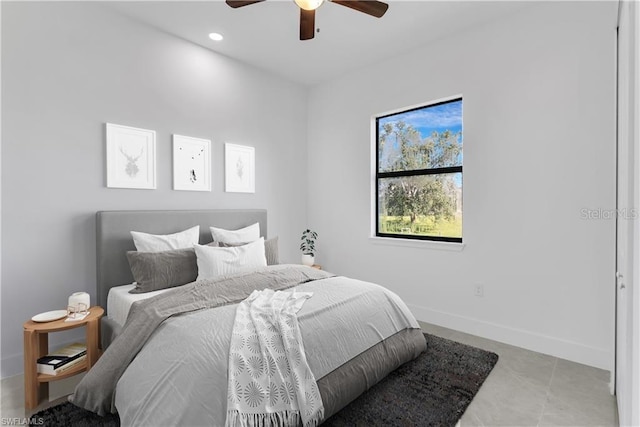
[308,11]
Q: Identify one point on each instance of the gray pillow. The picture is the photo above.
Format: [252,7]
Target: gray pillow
[270,249]
[153,271]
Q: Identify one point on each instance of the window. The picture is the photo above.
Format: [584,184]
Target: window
[419,173]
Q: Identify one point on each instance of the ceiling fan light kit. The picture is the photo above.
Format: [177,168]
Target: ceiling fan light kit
[309,4]
[308,11]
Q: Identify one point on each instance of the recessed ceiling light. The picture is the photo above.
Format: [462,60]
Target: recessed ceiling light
[216,36]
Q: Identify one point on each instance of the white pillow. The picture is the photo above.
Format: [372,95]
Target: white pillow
[214,261]
[243,235]
[146,242]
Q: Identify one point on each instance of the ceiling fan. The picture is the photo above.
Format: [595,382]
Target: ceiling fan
[308,11]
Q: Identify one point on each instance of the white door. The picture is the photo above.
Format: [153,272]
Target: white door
[623,276]
[625,225]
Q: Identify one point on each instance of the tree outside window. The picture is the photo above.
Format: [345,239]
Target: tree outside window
[419,173]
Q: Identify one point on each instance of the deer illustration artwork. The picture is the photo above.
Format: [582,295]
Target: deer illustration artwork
[132,168]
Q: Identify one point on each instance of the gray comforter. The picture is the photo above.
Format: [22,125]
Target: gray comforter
[169,364]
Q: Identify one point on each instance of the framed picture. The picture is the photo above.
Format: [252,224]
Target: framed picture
[131,157]
[191,163]
[239,165]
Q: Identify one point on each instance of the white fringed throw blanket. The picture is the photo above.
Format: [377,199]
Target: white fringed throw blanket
[270,382]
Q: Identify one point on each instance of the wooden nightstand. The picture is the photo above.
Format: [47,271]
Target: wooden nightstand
[317,266]
[36,345]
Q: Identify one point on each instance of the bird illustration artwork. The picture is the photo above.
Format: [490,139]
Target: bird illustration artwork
[194,159]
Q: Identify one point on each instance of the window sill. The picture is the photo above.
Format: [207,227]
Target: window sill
[423,244]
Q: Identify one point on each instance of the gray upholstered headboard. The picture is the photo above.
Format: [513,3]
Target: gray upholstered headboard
[113,238]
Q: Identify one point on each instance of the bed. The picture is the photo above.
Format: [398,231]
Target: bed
[354,332]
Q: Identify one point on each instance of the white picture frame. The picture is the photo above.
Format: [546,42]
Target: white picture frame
[191,163]
[239,167]
[131,157]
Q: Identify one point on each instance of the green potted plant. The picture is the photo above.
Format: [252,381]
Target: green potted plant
[308,246]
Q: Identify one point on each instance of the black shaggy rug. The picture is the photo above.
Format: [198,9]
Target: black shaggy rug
[433,390]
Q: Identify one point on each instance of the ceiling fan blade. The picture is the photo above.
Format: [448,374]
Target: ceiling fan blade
[307,24]
[239,3]
[370,7]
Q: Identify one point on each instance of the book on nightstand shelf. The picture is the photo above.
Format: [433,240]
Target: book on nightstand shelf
[62,359]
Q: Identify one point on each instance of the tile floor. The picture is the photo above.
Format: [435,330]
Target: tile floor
[527,388]
[12,403]
[524,389]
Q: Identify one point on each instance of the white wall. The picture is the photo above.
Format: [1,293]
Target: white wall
[67,68]
[539,141]
[539,147]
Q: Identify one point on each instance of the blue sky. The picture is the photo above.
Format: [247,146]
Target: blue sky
[426,120]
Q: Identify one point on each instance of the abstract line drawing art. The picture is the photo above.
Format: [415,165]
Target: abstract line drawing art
[131,157]
[239,161]
[191,163]
[239,168]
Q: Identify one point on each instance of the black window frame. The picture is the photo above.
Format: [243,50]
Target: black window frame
[423,172]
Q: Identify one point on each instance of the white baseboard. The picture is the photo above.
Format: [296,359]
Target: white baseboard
[563,349]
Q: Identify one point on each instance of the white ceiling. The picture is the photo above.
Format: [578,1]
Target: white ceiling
[266,35]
